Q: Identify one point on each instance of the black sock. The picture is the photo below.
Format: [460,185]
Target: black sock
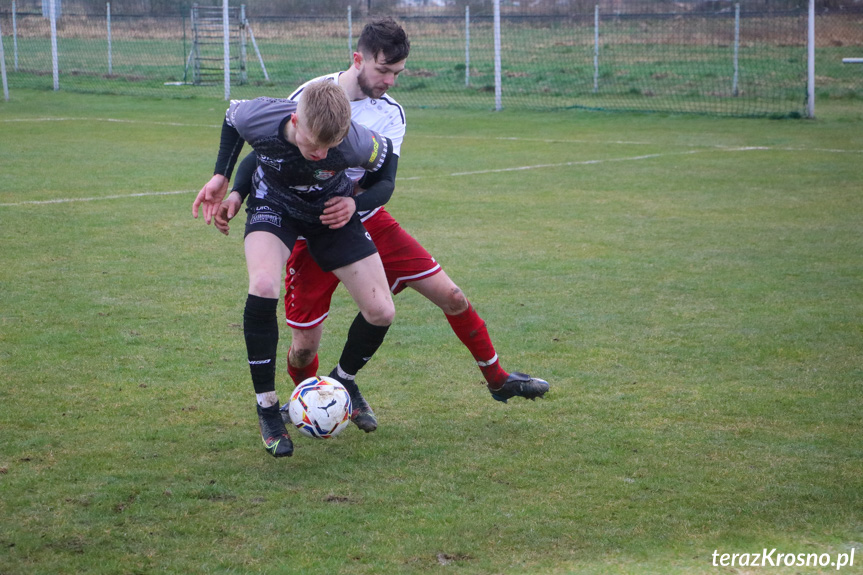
[364,339]
[261,329]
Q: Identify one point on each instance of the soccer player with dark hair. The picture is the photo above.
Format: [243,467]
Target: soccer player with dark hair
[302,150]
[382,51]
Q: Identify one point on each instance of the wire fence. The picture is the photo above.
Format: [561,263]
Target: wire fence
[710,57]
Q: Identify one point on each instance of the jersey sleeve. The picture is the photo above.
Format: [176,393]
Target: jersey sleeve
[233,137]
[249,121]
[258,118]
[235,114]
[365,149]
[230,145]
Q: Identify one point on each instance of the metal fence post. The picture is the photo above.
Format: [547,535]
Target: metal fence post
[810,104]
[498,88]
[226,33]
[15,35]
[3,69]
[467,46]
[734,87]
[244,74]
[110,53]
[596,48]
[52,15]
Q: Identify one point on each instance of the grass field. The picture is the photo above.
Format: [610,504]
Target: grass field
[691,287]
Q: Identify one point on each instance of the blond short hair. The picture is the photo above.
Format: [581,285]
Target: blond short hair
[325,112]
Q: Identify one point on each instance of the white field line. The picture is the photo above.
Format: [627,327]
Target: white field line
[113,120]
[498,138]
[630,143]
[94,199]
[414,178]
[540,140]
[579,163]
[590,162]
[706,148]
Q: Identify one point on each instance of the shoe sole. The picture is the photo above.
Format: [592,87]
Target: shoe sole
[506,399]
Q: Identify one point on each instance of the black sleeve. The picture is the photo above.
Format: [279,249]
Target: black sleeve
[378,185]
[229,150]
[245,171]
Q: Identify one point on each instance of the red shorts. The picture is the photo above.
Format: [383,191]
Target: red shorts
[309,290]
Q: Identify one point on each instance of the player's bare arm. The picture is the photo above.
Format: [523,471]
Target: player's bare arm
[227,210]
[210,197]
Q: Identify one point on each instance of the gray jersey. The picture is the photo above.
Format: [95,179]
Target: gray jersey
[384,116]
[284,177]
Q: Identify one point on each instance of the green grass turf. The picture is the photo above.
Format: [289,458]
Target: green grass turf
[691,287]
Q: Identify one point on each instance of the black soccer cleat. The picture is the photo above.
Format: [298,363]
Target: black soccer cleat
[276,440]
[520,385]
[361,415]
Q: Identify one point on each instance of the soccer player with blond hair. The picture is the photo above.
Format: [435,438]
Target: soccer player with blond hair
[302,152]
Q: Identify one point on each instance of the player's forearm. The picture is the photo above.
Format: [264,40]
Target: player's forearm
[378,186]
[245,171]
[229,150]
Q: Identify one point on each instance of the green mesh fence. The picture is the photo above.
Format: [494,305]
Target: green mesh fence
[715,58]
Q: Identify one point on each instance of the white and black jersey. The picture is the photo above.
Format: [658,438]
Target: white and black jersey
[384,116]
[283,176]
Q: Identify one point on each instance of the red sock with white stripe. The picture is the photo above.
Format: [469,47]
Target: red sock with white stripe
[471,330]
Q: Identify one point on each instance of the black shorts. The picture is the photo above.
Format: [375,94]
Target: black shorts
[331,249]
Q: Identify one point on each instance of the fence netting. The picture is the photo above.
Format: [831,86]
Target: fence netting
[713,57]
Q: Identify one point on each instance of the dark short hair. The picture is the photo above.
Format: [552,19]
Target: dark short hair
[384,36]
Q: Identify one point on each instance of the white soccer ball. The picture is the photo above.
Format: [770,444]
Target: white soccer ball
[320,407]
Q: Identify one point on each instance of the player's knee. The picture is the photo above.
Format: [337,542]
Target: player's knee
[263,286]
[301,357]
[380,315]
[387,316]
[455,301]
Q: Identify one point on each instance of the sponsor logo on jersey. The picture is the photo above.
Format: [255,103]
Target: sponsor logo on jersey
[275,164]
[306,189]
[266,216]
[324,174]
[374,150]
